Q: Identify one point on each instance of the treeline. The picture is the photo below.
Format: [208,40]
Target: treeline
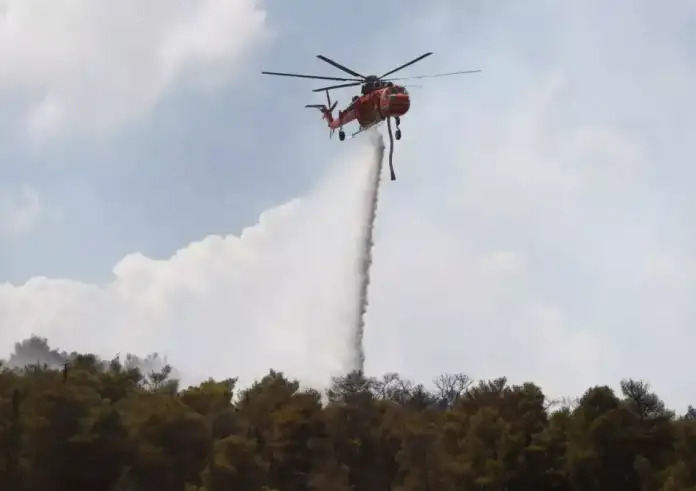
[80,423]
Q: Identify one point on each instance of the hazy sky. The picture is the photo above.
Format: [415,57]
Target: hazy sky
[542,226]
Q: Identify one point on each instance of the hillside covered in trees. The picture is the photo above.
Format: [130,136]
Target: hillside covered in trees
[123,425]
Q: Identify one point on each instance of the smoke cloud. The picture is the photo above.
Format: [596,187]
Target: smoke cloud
[282,294]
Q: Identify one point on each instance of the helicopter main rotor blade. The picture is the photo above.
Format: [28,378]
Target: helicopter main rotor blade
[316,77]
[433,76]
[406,64]
[352,84]
[340,67]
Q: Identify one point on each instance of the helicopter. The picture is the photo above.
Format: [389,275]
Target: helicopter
[380,100]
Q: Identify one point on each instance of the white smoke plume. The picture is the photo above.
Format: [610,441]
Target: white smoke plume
[366,240]
[282,294]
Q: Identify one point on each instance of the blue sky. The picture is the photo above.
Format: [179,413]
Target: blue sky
[541,226]
[164,180]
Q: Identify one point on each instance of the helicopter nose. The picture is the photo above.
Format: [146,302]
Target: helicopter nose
[399,104]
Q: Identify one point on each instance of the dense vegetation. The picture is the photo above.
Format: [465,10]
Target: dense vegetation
[106,425]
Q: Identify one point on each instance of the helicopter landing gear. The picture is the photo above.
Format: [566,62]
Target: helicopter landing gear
[341,135]
[397,133]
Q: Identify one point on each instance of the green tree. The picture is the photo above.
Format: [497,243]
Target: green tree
[77,422]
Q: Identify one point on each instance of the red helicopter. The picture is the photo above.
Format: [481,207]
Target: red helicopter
[380,100]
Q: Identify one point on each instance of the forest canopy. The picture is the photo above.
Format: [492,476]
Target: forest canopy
[76,422]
